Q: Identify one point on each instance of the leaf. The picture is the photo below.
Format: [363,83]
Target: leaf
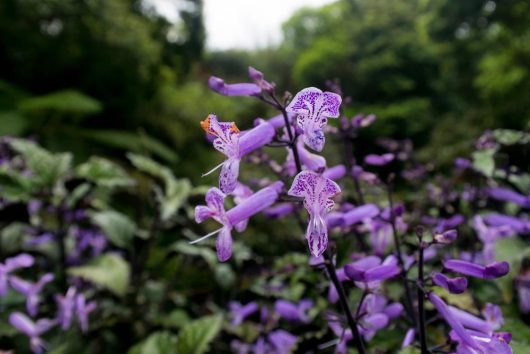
[104,173]
[14,186]
[194,250]
[131,142]
[66,101]
[176,191]
[195,337]
[109,271]
[511,137]
[409,350]
[117,227]
[46,168]
[483,161]
[224,275]
[161,342]
[12,237]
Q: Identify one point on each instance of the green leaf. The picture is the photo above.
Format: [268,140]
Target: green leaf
[409,350]
[117,227]
[484,162]
[47,168]
[176,191]
[109,271]
[157,343]
[12,237]
[104,173]
[66,101]
[14,186]
[511,137]
[195,250]
[131,142]
[224,275]
[195,337]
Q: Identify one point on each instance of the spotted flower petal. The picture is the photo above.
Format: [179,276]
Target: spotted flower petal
[314,107]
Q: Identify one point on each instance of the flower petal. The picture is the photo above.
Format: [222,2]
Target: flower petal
[229,175]
[224,245]
[317,236]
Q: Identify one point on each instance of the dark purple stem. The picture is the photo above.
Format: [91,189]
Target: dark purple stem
[421,299]
[408,295]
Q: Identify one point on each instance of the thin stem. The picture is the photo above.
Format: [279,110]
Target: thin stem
[344,302]
[61,233]
[408,295]
[421,298]
[290,133]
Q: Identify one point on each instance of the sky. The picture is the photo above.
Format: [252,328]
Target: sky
[242,24]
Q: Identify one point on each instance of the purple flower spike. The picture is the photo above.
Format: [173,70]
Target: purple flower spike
[491,271]
[32,329]
[317,192]
[293,312]
[31,291]
[243,89]
[214,209]
[446,237]
[453,285]
[240,312]
[378,160]
[314,107]
[234,145]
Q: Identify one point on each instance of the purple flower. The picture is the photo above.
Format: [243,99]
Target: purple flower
[257,77]
[317,192]
[462,163]
[83,309]
[214,208]
[409,338]
[31,291]
[360,213]
[446,237]
[308,160]
[508,195]
[335,172]
[453,285]
[279,210]
[240,312]
[281,342]
[314,107]
[22,260]
[73,304]
[32,329]
[362,121]
[293,312]
[378,160]
[234,145]
[370,271]
[520,226]
[241,89]
[491,271]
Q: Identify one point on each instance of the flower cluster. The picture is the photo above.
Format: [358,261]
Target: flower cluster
[353,203]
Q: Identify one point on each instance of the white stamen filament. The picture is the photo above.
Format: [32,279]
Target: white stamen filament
[207,236]
[212,170]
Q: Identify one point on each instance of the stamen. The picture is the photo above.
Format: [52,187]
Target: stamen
[207,236]
[212,170]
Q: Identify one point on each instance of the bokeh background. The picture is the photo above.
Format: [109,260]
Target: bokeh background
[111,77]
